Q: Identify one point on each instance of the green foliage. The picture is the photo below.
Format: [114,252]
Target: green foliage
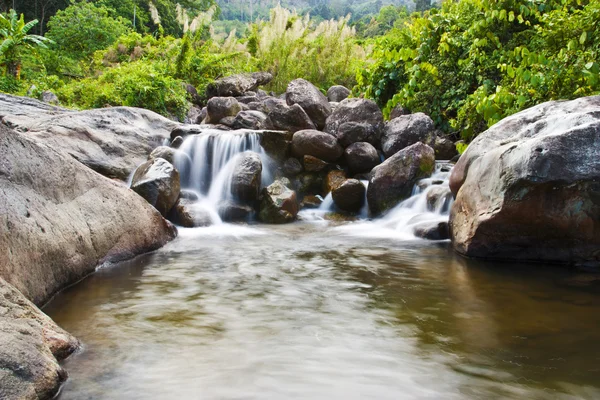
[136,84]
[475,62]
[16,41]
[83,28]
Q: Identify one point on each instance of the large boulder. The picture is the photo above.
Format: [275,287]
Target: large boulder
[307,96]
[393,180]
[279,204]
[529,187]
[361,157]
[252,119]
[112,141]
[219,108]
[237,85]
[32,346]
[349,196]
[157,181]
[408,129]
[316,144]
[276,143]
[164,152]
[356,120]
[246,178]
[59,220]
[287,118]
[337,93]
[432,230]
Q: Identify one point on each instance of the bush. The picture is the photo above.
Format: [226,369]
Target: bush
[135,84]
[475,62]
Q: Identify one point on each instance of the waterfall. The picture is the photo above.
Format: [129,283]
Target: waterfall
[430,202]
[206,163]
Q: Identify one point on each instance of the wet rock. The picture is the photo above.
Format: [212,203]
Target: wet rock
[287,118]
[403,131]
[316,144]
[278,205]
[337,93]
[309,183]
[177,142]
[438,196]
[65,219]
[292,167]
[436,230]
[528,187]
[361,157]
[333,179]
[189,214]
[251,119]
[218,108]
[237,85]
[157,181]
[393,180]
[276,144]
[32,346]
[311,201]
[111,141]
[398,111]
[314,164]
[194,115]
[307,96]
[188,195]
[349,196]
[227,121]
[235,212]
[50,98]
[163,152]
[246,178]
[444,149]
[356,120]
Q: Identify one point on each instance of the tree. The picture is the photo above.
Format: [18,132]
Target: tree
[83,28]
[16,40]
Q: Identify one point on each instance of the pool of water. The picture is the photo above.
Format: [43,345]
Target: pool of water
[319,311]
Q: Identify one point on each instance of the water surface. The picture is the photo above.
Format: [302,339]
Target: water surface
[314,311]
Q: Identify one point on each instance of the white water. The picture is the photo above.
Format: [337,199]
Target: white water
[206,163]
[401,221]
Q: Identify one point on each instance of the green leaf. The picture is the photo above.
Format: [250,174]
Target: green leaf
[583,37]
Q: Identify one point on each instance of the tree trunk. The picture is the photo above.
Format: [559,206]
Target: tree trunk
[13,68]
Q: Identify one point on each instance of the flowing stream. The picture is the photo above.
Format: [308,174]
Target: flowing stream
[326,310]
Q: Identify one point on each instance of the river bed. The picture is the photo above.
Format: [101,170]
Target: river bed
[317,310]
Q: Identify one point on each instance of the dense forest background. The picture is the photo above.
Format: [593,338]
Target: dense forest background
[466,63]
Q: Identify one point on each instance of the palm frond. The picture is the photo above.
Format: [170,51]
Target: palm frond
[29,25]
[6,45]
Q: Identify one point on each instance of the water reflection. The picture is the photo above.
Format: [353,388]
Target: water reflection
[306,311]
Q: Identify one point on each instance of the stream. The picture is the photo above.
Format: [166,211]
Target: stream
[320,310]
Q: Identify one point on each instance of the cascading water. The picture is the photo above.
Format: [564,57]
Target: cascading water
[429,203]
[206,164]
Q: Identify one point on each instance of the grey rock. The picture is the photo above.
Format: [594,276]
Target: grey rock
[246,178]
[252,120]
[157,181]
[356,120]
[393,180]
[237,85]
[287,118]
[436,230]
[398,111]
[307,96]
[445,149]
[235,212]
[65,219]
[350,195]
[189,214]
[406,130]
[50,98]
[528,188]
[316,144]
[111,141]
[227,121]
[276,143]
[218,108]
[292,167]
[337,93]
[177,142]
[32,346]
[163,152]
[361,157]
[278,205]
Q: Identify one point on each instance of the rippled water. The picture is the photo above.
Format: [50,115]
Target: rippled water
[314,311]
